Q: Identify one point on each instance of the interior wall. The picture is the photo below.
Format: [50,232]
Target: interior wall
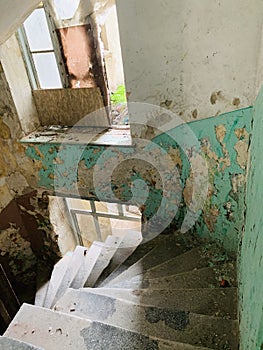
[13,14]
[18,82]
[26,236]
[165,171]
[195,58]
[251,255]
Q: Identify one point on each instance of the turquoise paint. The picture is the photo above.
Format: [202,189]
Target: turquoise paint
[63,177]
[251,256]
[227,231]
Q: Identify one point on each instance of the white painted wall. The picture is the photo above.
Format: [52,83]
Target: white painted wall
[180,53]
[16,75]
[12,15]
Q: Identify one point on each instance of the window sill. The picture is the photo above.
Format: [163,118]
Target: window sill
[117,136]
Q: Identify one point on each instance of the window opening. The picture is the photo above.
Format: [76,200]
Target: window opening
[94,220]
[38,42]
[54,54]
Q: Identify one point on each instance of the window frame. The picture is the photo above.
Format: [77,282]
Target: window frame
[28,54]
[95,215]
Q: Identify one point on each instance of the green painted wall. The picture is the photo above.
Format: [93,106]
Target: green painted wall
[159,175]
[251,257]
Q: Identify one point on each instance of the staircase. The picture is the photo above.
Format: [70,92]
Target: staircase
[168,293]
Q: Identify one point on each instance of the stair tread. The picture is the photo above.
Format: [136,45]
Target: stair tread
[41,294]
[208,301]
[14,344]
[90,258]
[48,329]
[127,246]
[57,275]
[168,323]
[108,250]
[197,278]
[169,249]
[192,259]
[54,330]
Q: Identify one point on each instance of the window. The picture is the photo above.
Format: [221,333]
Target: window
[38,40]
[93,220]
[84,55]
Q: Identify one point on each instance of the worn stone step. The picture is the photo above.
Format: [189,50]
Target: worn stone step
[57,275]
[13,344]
[54,330]
[100,336]
[143,249]
[41,294]
[91,256]
[74,265]
[207,301]
[167,323]
[198,278]
[127,246]
[108,250]
[192,259]
[47,329]
[169,248]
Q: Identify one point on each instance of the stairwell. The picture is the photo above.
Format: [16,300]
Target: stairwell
[171,292]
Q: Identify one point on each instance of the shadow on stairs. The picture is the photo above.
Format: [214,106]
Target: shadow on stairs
[167,293]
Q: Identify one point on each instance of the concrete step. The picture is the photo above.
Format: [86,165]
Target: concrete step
[108,250]
[141,251]
[198,278]
[167,323]
[53,330]
[89,261]
[128,245]
[57,275]
[100,336]
[48,329]
[41,294]
[192,259]
[207,301]
[74,264]
[169,248]
[13,344]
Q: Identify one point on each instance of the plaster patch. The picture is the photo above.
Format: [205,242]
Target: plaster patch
[5,196]
[16,183]
[238,181]
[220,132]
[241,148]
[210,218]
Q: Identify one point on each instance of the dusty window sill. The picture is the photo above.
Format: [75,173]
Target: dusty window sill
[119,136]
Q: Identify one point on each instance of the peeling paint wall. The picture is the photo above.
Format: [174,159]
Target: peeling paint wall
[192,57]
[251,254]
[161,172]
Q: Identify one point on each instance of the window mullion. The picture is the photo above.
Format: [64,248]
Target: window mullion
[56,47]
[27,56]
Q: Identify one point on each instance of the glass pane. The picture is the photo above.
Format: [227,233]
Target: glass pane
[87,229]
[105,227]
[37,31]
[75,203]
[117,227]
[47,70]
